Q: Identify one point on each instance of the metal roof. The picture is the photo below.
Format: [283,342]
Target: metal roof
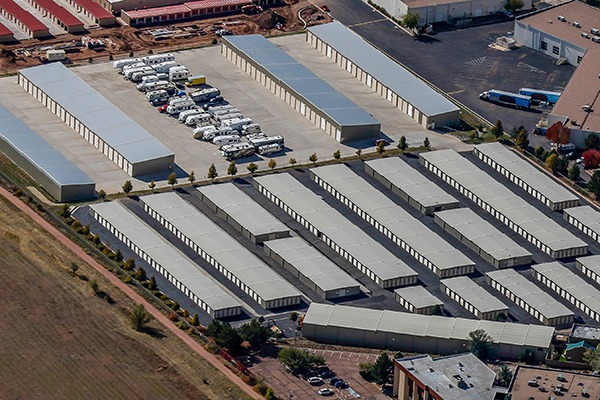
[384,69]
[387,213]
[591,262]
[335,226]
[61,13]
[586,215]
[500,198]
[526,172]
[474,294]
[166,255]
[426,325]
[39,152]
[95,9]
[418,296]
[96,112]
[217,243]
[530,293]
[22,15]
[401,175]
[5,31]
[296,76]
[323,272]
[243,209]
[483,234]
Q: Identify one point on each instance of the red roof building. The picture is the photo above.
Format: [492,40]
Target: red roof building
[94,11]
[24,19]
[6,35]
[59,15]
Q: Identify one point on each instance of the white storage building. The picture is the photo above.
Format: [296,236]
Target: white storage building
[584,218]
[474,298]
[392,220]
[166,259]
[590,267]
[418,300]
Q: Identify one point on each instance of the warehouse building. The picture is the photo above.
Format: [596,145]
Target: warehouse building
[528,296]
[314,269]
[584,218]
[581,385]
[166,259]
[418,300]
[410,185]
[47,166]
[590,267]
[23,19]
[59,15]
[569,286]
[6,35]
[222,251]
[522,173]
[503,204]
[243,213]
[400,331]
[393,221]
[474,298]
[97,120]
[391,81]
[94,11]
[483,238]
[295,84]
[333,228]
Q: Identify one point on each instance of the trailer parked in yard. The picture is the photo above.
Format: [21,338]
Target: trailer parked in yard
[541,95]
[238,150]
[195,80]
[204,95]
[508,98]
[119,64]
[178,73]
[179,107]
[164,67]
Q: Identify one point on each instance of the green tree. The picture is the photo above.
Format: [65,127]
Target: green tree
[152,185]
[172,179]
[214,328]
[382,369]
[562,164]
[552,161]
[127,187]
[195,321]
[252,167]
[540,153]
[140,274]
[504,376]
[526,356]
[255,333]
[358,152]
[592,358]
[294,316]
[515,131]
[592,141]
[152,283]
[380,148]
[86,229]
[118,256]
[481,343]
[402,145]
[65,212]
[410,20]
[129,264]
[574,173]
[594,184]
[101,194]
[94,286]
[269,394]
[232,169]
[229,338]
[293,161]
[74,268]
[522,139]
[426,143]
[337,154]
[139,318]
[272,164]
[313,158]
[192,177]
[497,130]
[514,5]
[298,360]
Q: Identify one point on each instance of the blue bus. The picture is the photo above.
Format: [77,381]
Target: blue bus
[541,95]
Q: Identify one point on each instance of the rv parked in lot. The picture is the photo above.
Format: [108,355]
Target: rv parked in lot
[132,66]
[157,94]
[129,73]
[225,117]
[263,141]
[211,134]
[204,95]
[250,129]
[228,109]
[199,132]
[195,80]
[269,149]
[154,59]
[237,123]
[179,107]
[178,73]
[164,67]
[120,64]
[189,113]
[177,100]
[146,80]
[226,139]
[157,86]
[235,151]
[198,119]
[213,109]
[137,76]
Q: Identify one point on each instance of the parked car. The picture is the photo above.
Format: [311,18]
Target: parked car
[340,384]
[163,109]
[315,380]
[325,8]
[326,374]
[325,392]
[333,380]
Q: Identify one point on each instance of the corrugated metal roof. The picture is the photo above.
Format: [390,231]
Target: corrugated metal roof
[157,11]
[384,69]
[26,18]
[60,13]
[591,262]
[5,31]
[166,255]
[418,296]
[316,91]
[95,9]
[474,294]
[586,215]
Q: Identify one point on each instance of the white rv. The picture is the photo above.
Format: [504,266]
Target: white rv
[225,117]
[178,73]
[137,76]
[189,113]
[211,134]
[132,71]
[237,123]
[157,86]
[214,109]
[228,109]
[179,107]
[164,67]
[119,64]
[239,150]
[205,94]
[157,94]
[198,119]
[132,66]
[145,80]
[200,131]
[269,149]
[250,129]
[154,59]
[177,100]
[257,142]
[226,139]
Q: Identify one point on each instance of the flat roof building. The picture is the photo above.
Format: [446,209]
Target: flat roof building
[59,15]
[590,267]
[94,11]
[24,19]
[584,218]
[412,186]
[299,87]
[6,35]
[591,334]
[568,383]
[418,300]
[474,298]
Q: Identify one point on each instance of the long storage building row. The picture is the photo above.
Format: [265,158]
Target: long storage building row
[584,218]
[388,78]
[308,94]
[590,267]
[393,221]
[410,185]
[474,298]
[418,300]
[59,15]
[483,238]
[94,11]
[503,204]
[24,19]
[166,259]
[529,297]
[214,245]
[314,269]
[522,173]
[569,286]
[99,121]
[333,228]
[6,35]
[46,165]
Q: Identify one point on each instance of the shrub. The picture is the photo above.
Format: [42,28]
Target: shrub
[591,158]
[76,225]
[211,348]
[261,388]
[172,316]
[164,297]
[128,280]
[249,380]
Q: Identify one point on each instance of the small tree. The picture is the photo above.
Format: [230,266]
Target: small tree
[402,145]
[129,264]
[94,286]
[294,316]
[192,177]
[497,130]
[526,356]
[358,152]
[298,360]
[410,20]
[481,343]
[101,194]
[65,212]
[212,172]
[293,161]
[574,173]
[140,274]
[380,148]
[127,187]
[313,158]
[195,321]
[252,167]
[272,164]
[591,158]
[152,283]
[426,143]
[558,133]
[540,153]
[592,359]
[592,141]
[118,256]
[382,369]
[337,154]
[504,376]
[269,394]
[139,318]
[552,161]
[74,268]
[152,185]
[514,5]
[232,169]
[522,139]
[172,179]
[594,184]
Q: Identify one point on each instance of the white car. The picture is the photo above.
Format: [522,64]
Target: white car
[325,392]
[314,380]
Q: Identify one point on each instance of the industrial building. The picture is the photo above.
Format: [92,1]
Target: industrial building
[580,385]
[299,87]
[59,15]
[393,221]
[418,300]
[333,228]
[97,120]
[243,213]
[483,238]
[531,298]
[389,79]
[94,11]
[569,286]
[522,173]
[47,166]
[503,204]
[314,269]
[24,19]
[590,267]
[584,218]
[222,251]
[166,259]
[6,35]
[416,333]
[474,298]
[410,185]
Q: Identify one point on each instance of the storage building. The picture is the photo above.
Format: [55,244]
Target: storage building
[584,218]
[522,173]
[418,300]
[243,213]
[410,185]
[569,286]
[415,333]
[94,11]
[590,267]
[59,15]
[314,269]
[389,79]
[166,259]
[308,94]
[96,119]
[474,298]
[483,238]
[6,35]
[223,252]
[530,297]
[393,221]
[46,165]
[333,228]
[24,19]
[503,204]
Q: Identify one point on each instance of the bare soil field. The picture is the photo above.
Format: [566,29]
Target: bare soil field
[60,341]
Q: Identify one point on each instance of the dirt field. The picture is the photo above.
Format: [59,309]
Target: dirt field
[59,341]
[124,39]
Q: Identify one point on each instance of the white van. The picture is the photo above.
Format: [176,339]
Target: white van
[270,149]
[201,130]
[179,107]
[250,129]
[157,94]
[157,86]
[211,134]
[178,73]
[164,67]
[154,59]
[237,123]
[226,139]
[198,119]
[194,111]
[119,64]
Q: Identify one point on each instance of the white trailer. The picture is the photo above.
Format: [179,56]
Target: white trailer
[132,71]
[137,76]
[177,100]
[251,129]
[198,119]
[156,95]
[154,59]
[269,149]
[237,123]
[226,117]
[179,107]
[204,95]
[119,64]
[226,139]
[158,86]
[199,132]
[239,150]
[164,67]
[211,134]
[178,73]
[189,113]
